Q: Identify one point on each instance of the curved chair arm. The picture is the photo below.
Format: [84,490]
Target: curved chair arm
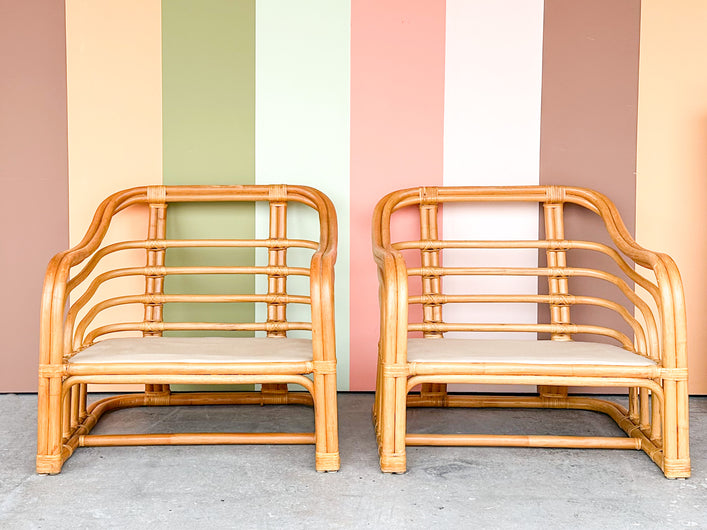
[54,293]
[322,280]
[671,295]
[393,279]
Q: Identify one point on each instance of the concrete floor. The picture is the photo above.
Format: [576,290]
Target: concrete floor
[277,487]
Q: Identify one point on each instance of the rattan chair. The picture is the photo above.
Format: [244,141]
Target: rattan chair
[79,345]
[649,360]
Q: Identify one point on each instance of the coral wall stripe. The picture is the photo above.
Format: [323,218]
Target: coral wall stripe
[302,130]
[114,120]
[33,174]
[672,154]
[397,109]
[492,137]
[209,138]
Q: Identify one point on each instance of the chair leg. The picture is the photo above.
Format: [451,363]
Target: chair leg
[676,457]
[393,425]
[49,425]
[325,423]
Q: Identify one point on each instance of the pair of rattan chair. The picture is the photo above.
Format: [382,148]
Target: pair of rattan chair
[86,340]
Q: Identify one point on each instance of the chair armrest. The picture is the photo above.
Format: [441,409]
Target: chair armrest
[322,281]
[393,281]
[671,300]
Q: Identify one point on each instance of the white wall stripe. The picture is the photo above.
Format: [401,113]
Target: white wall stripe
[302,124]
[493,81]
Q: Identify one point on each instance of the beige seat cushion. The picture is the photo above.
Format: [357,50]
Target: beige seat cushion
[196,350]
[520,351]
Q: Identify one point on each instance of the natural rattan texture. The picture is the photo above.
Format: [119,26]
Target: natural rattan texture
[653,365]
[78,329]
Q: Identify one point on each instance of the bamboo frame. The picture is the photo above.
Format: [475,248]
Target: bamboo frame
[656,420]
[64,417]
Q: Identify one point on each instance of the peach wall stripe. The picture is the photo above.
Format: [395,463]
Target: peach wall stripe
[397,109]
[492,137]
[671,173]
[114,87]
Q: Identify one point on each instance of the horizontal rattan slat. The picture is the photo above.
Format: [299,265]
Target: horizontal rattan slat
[209,438]
[509,440]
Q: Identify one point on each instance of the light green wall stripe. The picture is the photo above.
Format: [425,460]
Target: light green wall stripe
[208,80]
[302,124]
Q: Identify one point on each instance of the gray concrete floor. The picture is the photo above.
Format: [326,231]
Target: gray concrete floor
[277,487]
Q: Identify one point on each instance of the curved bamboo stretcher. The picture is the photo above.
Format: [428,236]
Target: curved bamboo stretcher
[652,363]
[77,350]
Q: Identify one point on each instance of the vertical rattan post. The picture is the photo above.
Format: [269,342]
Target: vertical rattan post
[434,393]
[154,283]
[553,209]
[277,283]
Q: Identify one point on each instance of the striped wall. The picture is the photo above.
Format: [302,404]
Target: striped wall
[357,98]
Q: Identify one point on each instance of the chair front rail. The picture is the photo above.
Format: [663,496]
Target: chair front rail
[254,368]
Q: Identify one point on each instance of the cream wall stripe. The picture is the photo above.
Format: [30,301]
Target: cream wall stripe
[302,125]
[492,137]
[671,169]
[114,87]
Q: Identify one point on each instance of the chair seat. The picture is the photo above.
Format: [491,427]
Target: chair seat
[520,352]
[196,350]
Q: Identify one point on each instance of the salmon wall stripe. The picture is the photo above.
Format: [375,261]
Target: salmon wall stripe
[302,132]
[397,113]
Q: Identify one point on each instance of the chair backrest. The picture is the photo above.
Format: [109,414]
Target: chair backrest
[446,274]
[163,284]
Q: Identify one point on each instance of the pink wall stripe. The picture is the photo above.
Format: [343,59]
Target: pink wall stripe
[397,114]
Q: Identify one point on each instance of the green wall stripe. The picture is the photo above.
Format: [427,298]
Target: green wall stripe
[208,105]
